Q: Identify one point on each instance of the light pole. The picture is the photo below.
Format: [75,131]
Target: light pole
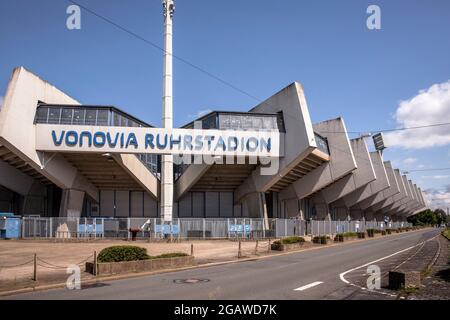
[167,122]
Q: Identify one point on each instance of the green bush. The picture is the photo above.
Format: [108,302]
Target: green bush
[122,253]
[321,239]
[290,240]
[132,253]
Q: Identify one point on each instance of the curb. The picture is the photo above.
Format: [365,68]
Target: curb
[206,265]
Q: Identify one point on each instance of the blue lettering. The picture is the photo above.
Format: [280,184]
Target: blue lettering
[132,140]
[74,136]
[102,137]
[198,143]
[88,135]
[220,143]
[158,141]
[149,141]
[209,139]
[255,144]
[55,140]
[232,143]
[175,141]
[266,144]
[110,142]
[187,142]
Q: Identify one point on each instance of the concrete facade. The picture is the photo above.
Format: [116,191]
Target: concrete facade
[320,173]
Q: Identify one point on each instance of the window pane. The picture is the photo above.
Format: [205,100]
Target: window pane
[257,123]
[124,122]
[116,119]
[41,115]
[225,122]
[66,116]
[235,122]
[247,122]
[102,117]
[54,115]
[210,122]
[78,116]
[268,123]
[91,114]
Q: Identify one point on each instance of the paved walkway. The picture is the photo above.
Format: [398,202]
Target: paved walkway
[16,256]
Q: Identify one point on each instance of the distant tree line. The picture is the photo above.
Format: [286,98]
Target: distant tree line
[429,217]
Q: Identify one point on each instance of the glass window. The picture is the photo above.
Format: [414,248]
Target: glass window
[247,122]
[78,116]
[66,116]
[102,117]
[210,122]
[257,123]
[117,119]
[225,121]
[235,122]
[91,115]
[124,122]
[54,115]
[41,115]
[268,123]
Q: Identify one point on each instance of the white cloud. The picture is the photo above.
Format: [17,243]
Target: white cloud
[1,101]
[438,199]
[436,177]
[410,161]
[430,106]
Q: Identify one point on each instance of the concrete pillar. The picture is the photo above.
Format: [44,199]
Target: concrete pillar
[71,203]
[256,205]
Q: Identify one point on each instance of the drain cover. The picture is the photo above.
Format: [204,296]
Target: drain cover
[190,281]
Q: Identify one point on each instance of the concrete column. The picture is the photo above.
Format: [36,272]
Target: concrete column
[256,205]
[71,203]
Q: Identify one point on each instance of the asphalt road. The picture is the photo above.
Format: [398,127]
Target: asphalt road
[313,274]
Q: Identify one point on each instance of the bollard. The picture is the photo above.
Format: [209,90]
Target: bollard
[192,249]
[95,263]
[270,248]
[239,250]
[256,248]
[35,268]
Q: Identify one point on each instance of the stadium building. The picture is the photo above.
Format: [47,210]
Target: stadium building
[321,174]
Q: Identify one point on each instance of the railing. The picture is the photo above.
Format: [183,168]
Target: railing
[198,228]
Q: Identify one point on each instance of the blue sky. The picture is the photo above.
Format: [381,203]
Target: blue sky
[259,46]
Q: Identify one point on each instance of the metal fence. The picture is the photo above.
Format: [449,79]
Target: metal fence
[193,228]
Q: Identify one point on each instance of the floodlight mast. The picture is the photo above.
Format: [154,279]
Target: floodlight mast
[167,121]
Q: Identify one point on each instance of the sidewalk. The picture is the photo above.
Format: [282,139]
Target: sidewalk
[16,257]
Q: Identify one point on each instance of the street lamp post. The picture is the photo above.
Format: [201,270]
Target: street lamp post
[167,121]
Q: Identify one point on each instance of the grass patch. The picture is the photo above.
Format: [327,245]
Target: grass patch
[446,233]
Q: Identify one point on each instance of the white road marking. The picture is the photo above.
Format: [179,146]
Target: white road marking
[309,286]
[341,276]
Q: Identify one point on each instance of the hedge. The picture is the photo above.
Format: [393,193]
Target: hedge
[122,253]
[131,253]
